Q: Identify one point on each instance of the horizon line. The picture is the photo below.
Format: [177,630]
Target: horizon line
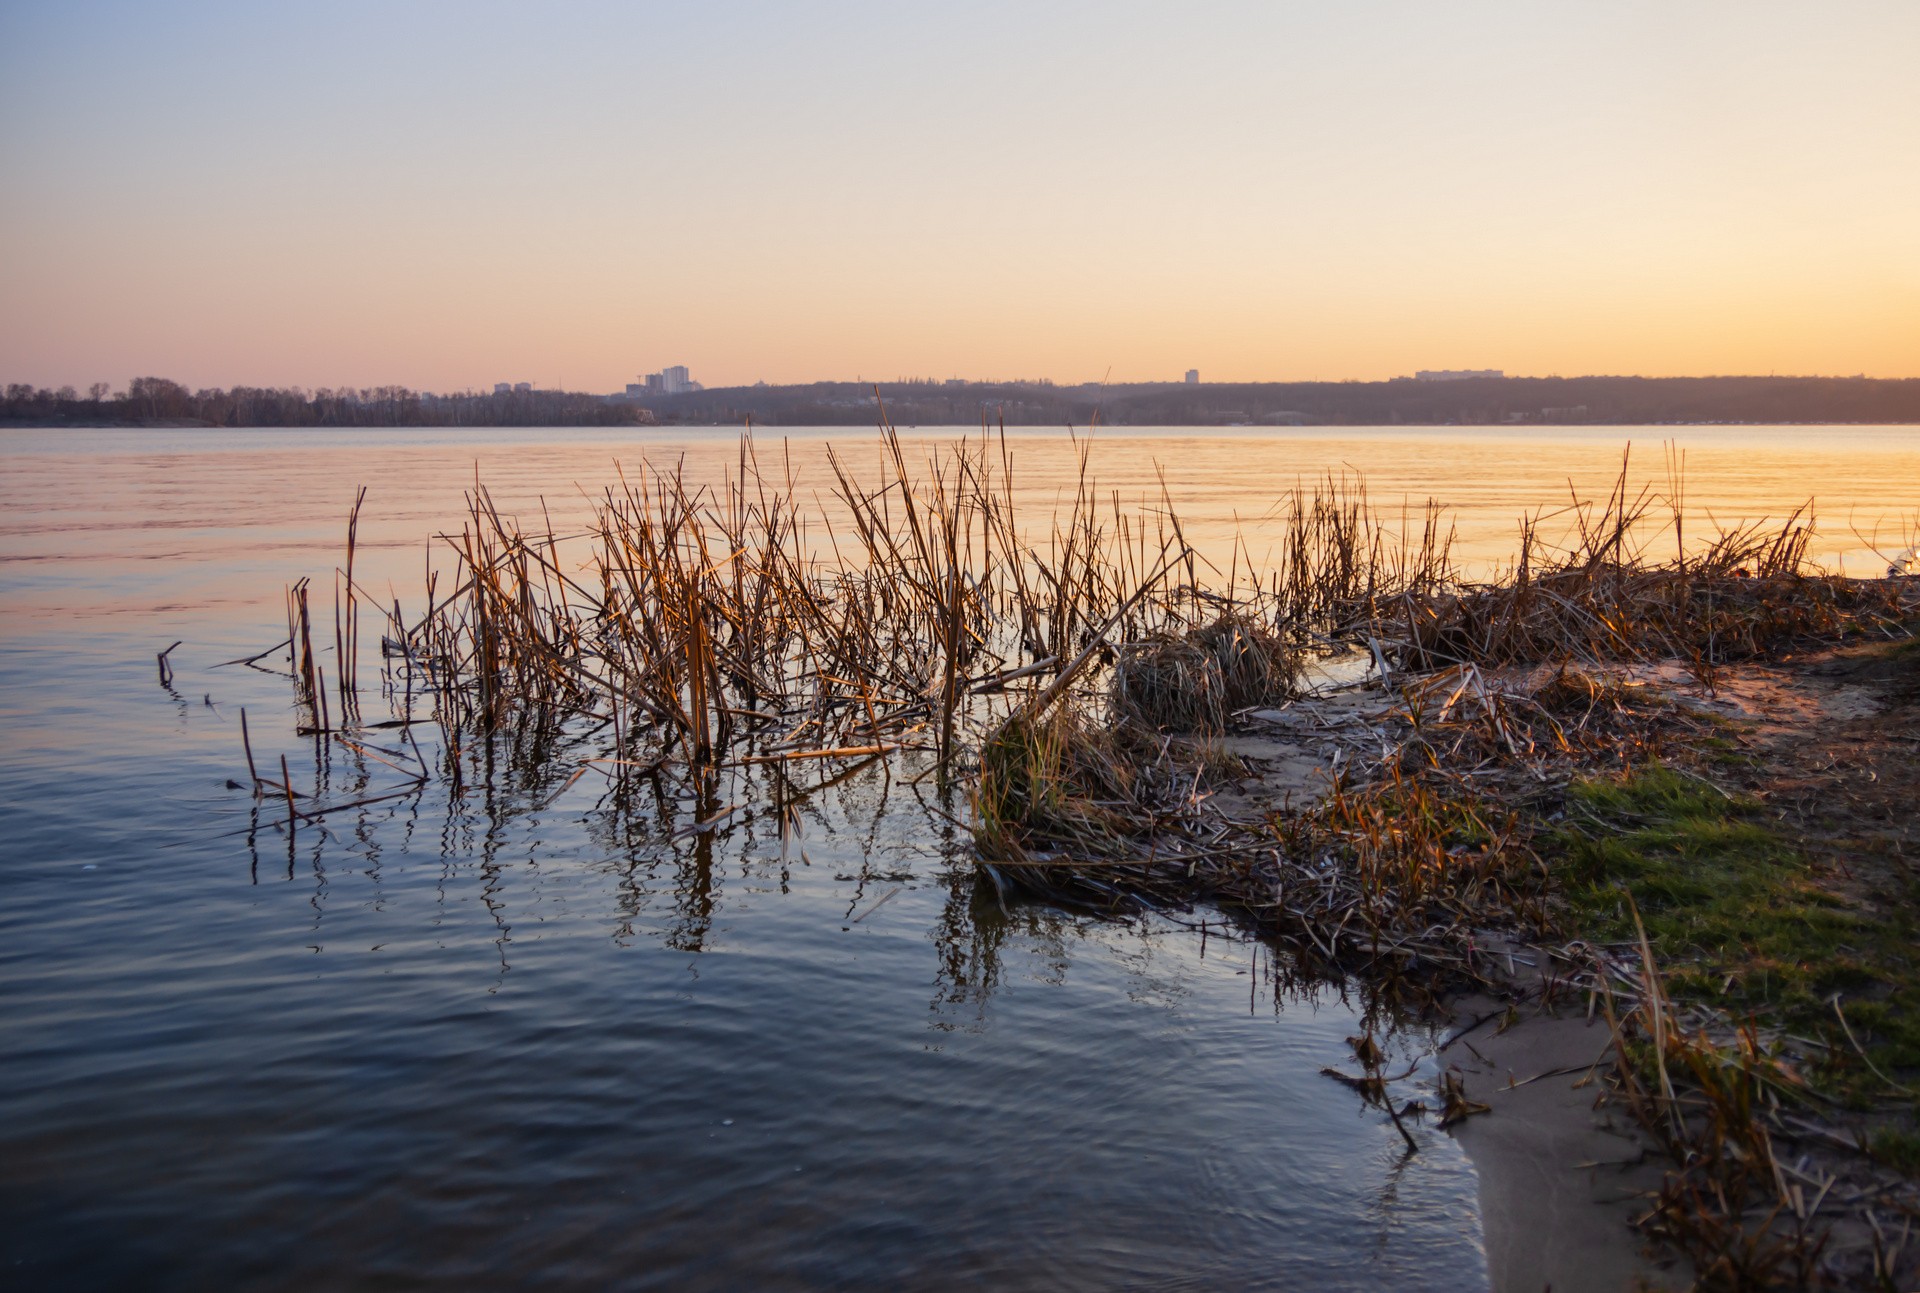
[483,388]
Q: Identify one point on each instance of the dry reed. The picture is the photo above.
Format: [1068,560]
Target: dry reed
[1075,674]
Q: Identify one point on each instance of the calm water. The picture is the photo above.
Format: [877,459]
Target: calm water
[508,1035]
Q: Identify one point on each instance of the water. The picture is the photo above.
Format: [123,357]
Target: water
[508,1036]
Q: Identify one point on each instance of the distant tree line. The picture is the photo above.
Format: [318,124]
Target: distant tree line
[1403,401]
[155,401]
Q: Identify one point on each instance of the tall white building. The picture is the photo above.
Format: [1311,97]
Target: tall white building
[671,381]
[1193,376]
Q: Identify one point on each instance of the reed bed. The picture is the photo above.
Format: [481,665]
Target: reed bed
[1602,595]
[1077,675]
[709,625]
[1074,671]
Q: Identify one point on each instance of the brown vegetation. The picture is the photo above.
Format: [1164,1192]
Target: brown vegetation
[1081,678]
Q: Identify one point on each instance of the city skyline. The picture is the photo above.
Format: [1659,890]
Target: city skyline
[364,195]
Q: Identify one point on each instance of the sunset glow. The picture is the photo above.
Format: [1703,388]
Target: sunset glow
[450,195]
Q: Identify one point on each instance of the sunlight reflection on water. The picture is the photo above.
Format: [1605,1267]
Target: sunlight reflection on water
[501,1036]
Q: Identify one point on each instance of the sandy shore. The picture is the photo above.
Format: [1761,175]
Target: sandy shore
[1561,1176]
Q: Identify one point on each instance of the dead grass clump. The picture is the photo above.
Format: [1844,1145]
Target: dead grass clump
[1194,681]
[1256,666]
[1715,1103]
[1426,862]
[1746,593]
[1168,683]
[1528,727]
[1053,782]
[1570,689]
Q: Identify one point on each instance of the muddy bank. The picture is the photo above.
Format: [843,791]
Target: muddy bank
[1822,746]
[1564,1173]
[1808,769]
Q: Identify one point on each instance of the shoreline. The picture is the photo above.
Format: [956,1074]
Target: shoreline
[1568,1176]
[1561,1177]
[1576,1193]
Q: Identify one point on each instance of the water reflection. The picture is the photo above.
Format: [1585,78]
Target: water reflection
[679,1020]
[505,1025]
[517,1022]
[511,808]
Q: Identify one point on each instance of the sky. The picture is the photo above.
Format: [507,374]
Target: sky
[449,195]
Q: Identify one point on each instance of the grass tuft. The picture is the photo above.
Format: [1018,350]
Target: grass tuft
[1741,914]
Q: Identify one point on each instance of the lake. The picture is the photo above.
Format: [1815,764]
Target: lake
[498,1035]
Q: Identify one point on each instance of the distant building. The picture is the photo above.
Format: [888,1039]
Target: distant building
[503,388]
[671,381]
[523,388]
[1455,374]
[635,390]
[1193,376]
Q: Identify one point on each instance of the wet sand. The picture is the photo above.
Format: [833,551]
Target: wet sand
[1562,1176]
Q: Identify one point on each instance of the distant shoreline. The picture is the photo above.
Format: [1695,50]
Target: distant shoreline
[1480,401]
[190,424]
[1476,401]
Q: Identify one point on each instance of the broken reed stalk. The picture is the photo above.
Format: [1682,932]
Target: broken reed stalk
[247,744]
[348,660]
[1653,1008]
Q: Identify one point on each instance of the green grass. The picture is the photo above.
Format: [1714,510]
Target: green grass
[1738,914]
[1723,752]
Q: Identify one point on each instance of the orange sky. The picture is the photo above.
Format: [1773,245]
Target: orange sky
[465,194]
